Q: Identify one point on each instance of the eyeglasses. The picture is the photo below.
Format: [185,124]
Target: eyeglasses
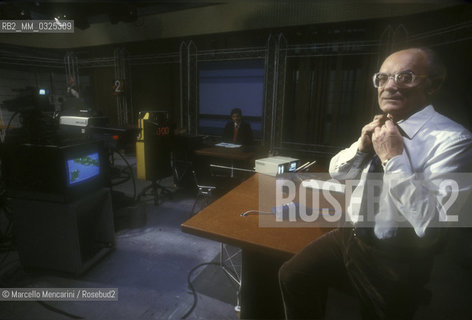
[404,79]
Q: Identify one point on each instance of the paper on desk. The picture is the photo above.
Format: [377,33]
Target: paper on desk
[228,145]
[324,185]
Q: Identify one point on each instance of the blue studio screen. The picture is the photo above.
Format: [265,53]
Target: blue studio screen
[82,168]
[224,85]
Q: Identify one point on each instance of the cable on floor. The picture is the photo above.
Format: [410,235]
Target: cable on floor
[57,310]
[6,244]
[192,288]
[4,259]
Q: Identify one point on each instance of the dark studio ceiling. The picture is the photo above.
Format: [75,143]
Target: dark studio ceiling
[85,13]
[106,22]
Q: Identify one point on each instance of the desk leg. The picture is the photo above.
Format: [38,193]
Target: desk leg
[232,168]
[260,291]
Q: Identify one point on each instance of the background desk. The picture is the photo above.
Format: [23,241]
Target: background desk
[236,154]
[264,249]
[230,158]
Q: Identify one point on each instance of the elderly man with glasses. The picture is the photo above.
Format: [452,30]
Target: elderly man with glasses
[385,253]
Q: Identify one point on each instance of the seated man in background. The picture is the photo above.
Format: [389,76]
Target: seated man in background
[236,130]
[387,263]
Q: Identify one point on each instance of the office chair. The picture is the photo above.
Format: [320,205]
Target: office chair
[204,195]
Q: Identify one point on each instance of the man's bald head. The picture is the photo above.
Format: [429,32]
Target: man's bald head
[401,101]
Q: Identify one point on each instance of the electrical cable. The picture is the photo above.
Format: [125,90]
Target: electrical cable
[4,236]
[259,212]
[9,123]
[7,251]
[130,170]
[45,305]
[57,310]
[4,258]
[255,212]
[5,266]
[192,288]
[122,179]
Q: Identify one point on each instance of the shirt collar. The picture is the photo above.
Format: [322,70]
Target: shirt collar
[415,122]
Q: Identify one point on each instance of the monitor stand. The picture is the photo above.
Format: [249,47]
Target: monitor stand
[66,237]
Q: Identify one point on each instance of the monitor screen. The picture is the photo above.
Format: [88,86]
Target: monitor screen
[293,166]
[82,168]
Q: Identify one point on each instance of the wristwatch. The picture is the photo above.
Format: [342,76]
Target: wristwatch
[384,163]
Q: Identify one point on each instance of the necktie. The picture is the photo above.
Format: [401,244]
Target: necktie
[375,176]
[369,206]
[235,133]
[376,164]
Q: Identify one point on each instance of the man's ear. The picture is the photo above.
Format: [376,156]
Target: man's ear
[434,84]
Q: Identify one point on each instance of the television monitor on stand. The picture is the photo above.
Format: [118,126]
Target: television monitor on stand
[63,217]
[53,173]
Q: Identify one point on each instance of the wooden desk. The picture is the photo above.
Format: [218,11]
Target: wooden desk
[264,249]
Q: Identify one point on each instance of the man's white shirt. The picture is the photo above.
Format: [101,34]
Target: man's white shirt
[415,185]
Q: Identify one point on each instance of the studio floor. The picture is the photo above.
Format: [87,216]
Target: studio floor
[150,266]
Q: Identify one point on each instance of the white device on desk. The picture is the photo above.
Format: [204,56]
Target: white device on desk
[74,121]
[273,166]
[81,123]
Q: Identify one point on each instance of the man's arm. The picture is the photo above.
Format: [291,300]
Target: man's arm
[425,198]
[348,163]
[387,141]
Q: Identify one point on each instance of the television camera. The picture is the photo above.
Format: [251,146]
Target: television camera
[36,117]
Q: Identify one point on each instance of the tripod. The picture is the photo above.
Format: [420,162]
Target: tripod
[154,187]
